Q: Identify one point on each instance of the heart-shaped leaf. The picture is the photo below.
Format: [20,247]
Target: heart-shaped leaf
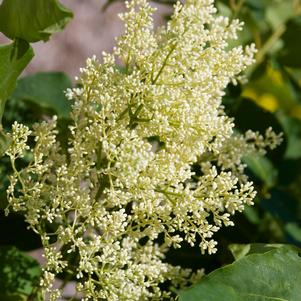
[32,20]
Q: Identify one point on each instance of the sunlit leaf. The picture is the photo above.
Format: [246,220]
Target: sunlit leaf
[13,59]
[32,20]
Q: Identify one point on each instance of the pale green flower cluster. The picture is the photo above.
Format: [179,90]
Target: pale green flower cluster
[126,192]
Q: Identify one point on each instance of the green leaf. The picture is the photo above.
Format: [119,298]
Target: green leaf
[278,13]
[46,90]
[294,230]
[292,129]
[240,250]
[252,215]
[4,142]
[275,83]
[272,276]
[13,59]
[255,4]
[262,168]
[290,54]
[32,20]
[19,274]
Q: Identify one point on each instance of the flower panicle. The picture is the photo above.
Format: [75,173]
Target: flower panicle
[127,189]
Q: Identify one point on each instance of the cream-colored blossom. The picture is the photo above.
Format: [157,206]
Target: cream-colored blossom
[126,191]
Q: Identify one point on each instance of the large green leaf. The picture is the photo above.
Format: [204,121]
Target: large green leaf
[13,59]
[45,89]
[272,276]
[19,275]
[32,20]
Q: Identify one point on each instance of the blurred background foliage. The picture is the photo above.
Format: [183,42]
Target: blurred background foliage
[270,97]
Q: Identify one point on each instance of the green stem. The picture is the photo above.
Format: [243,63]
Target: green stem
[269,43]
[236,7]
[164,64]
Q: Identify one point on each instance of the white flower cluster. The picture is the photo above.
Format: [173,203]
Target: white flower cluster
[109,209]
